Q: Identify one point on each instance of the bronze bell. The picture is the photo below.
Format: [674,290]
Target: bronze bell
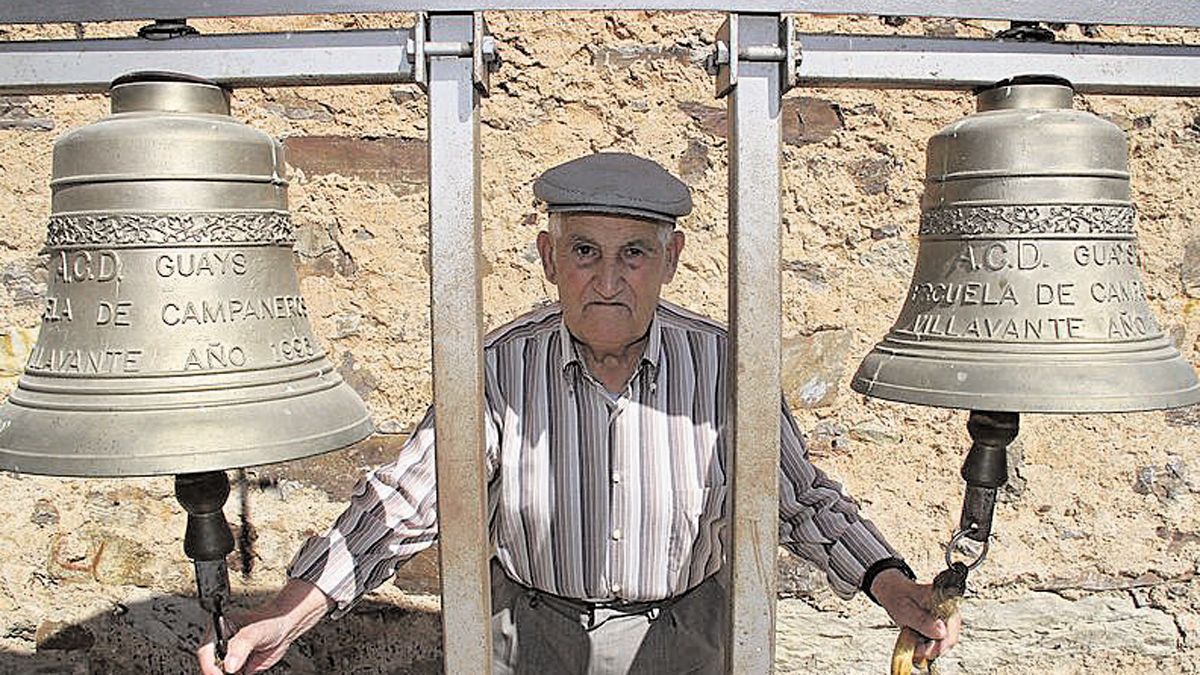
[174,338]
[1026,295]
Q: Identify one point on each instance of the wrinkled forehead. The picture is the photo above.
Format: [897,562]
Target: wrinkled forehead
[608,228]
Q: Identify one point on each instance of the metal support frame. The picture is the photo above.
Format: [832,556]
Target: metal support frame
[455,302]
[1120,12]
[249,59]
[755,90]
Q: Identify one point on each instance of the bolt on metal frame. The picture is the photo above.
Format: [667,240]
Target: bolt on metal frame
[757,59]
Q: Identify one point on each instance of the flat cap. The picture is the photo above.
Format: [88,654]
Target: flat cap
[614,182]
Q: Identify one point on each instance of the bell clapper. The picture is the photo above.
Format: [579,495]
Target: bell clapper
[207,542]
[985,471]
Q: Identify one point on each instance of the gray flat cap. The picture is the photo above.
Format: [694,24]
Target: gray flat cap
[614,182]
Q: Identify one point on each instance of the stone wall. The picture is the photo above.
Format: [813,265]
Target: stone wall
[1097,537]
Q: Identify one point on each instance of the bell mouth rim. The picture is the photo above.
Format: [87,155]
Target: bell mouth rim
[1153,348]
[1029,403]
[936,373]
[181,460]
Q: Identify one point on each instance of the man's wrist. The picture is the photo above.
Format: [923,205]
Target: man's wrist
[301,604]
[878,568]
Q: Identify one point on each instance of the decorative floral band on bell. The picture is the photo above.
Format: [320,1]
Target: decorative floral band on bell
[148,229]
[1016,219]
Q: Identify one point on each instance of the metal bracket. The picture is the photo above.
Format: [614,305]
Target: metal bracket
[486,58]
[481,50]
[728,52]
[792,55]
[723,62]
[416,50]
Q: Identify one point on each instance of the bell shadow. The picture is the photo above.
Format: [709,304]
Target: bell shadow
[158,635]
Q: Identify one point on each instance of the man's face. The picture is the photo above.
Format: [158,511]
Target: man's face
[609,270]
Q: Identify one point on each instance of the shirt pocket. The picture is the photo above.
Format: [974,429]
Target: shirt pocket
[696,524]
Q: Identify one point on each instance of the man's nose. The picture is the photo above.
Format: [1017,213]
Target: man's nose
[610,278]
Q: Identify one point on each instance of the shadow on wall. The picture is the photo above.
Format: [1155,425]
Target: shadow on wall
[158,636]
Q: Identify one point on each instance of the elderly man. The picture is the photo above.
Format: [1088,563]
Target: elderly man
[607,463]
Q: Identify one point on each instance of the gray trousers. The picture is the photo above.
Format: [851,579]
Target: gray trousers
[542,635]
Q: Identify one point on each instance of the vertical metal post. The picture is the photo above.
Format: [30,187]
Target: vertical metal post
[755,92]
[458,350]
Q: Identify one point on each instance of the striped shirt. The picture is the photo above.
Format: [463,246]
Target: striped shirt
[595,495]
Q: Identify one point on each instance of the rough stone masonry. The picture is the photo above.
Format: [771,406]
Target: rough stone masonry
[1094,560]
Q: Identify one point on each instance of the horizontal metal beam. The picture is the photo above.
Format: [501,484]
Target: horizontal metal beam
[382,57]
[243,60]
[1120,12]
[933,63]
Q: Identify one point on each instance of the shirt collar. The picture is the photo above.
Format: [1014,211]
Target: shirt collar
[650,355]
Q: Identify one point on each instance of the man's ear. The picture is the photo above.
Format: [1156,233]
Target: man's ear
[545,247]
[673,249]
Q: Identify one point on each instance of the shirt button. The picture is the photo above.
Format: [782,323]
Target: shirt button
[616,477]
[616,534]
[616,588]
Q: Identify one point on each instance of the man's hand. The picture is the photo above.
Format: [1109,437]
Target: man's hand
[262,637]
[909,604]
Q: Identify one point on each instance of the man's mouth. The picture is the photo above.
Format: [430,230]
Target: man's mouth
[607,304]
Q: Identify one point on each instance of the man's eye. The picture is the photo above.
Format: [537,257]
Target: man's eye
[585,250]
